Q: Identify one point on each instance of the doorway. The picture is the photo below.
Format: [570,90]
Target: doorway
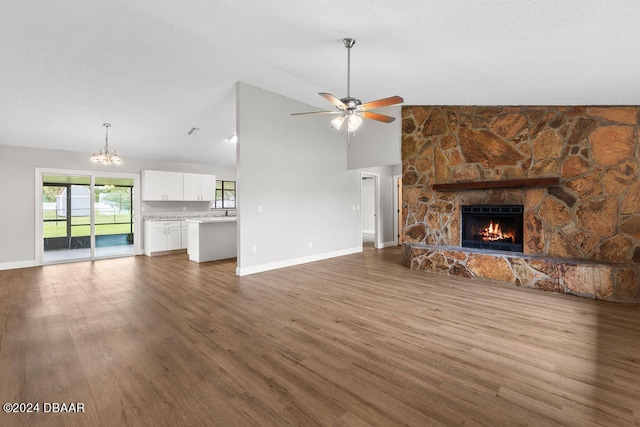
[370,210]
[82,216]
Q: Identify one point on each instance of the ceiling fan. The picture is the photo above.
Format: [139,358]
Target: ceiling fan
[352,109]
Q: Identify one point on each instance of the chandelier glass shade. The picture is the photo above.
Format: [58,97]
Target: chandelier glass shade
[105,156]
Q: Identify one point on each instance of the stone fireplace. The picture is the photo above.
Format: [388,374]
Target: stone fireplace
[492,227]
[574,171]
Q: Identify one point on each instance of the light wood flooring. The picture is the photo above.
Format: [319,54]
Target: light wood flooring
[352,341]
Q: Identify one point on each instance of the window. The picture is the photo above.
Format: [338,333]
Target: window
[225,195]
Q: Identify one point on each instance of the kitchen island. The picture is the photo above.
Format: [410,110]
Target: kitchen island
[212,238]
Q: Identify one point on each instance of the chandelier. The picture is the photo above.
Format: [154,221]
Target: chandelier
[105,156]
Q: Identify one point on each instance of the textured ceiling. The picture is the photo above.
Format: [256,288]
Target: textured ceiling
[156,68]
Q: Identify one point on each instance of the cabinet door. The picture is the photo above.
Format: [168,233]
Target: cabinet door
[157,239]
[174,240]
[191,186]
[207,187]
[172,185]
[152,185]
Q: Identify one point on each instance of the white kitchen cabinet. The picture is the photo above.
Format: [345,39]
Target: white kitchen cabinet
[185,235]
[197,187]
[160,185]
[160,236]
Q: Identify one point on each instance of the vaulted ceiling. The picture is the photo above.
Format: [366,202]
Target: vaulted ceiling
[156,68]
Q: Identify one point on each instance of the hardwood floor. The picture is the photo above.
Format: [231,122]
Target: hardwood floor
[355,340]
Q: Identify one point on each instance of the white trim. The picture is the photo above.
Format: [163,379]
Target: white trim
[38,228]
[388,244]
[369,231]
[295,261]
[396,208]
[92,211]
[17,264]
[376,203]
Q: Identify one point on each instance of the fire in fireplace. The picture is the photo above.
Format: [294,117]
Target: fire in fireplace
[492,227]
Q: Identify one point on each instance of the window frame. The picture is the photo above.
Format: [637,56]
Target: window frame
[224,188]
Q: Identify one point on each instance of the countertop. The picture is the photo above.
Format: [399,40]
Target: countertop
[207,220]
[182,216]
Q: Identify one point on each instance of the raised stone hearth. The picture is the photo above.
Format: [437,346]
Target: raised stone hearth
[588,222]
[606,281]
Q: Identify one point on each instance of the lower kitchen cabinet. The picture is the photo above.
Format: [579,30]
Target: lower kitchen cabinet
[160,236]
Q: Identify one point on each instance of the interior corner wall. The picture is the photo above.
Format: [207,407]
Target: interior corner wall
[17,191]
[375,143]
[296,199]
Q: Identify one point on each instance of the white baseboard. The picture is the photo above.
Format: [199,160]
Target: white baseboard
[388,245]
[17,264]
[244,271]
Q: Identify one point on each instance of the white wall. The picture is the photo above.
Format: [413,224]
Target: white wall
[17,190]
[368,209]
[375,143]
[377,147]
[293,168]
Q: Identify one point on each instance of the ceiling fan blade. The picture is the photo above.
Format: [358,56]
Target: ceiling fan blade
[376,116]
[317,112]
[392,100]
[334,100]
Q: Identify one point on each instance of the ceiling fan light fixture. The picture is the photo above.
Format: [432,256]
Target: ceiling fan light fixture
[354,122]
[337,122]
[352,109]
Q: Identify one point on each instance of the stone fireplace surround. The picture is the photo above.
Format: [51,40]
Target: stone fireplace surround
[581,236]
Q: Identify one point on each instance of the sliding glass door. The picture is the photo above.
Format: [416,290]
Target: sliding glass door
[66,216]
[113,214]
[86,217]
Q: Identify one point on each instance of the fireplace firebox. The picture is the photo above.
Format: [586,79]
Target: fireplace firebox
[492,227]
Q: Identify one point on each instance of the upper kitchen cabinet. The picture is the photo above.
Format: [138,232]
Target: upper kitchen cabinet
[160,185]
[199,187]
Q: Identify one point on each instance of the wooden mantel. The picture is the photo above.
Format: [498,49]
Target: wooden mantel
[527,182]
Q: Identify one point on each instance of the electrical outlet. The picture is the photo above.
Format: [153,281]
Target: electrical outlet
[184,209]
[310,244]
[259,208]
[254,249]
